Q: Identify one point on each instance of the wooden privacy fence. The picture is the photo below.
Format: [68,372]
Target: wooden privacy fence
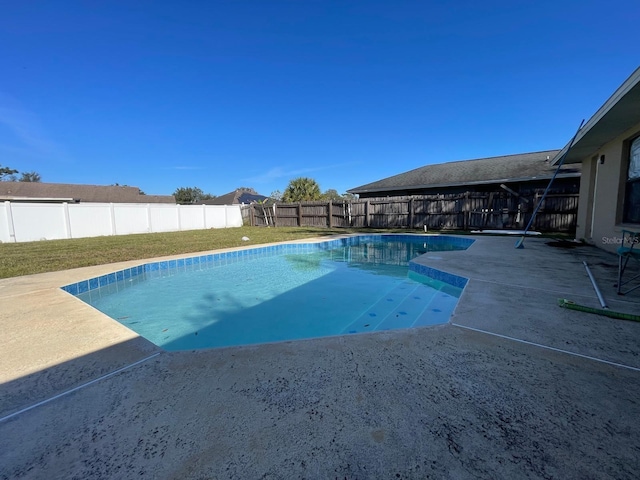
[466,211]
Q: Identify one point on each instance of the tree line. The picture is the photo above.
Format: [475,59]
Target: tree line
[302,189]
[11,175]
[305,189]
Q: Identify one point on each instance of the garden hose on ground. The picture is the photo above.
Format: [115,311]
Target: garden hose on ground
[564,303]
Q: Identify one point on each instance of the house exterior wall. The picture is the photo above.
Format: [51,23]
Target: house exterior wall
[585,203]
[602,197]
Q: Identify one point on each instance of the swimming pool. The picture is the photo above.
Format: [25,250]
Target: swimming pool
[282,292]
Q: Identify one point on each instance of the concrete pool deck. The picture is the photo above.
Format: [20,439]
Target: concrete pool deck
[513,387]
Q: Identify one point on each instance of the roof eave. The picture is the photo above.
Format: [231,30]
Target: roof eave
[39,199]
[461,184]
[595,134]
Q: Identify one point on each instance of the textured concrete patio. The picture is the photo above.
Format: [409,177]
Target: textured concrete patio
[512,387]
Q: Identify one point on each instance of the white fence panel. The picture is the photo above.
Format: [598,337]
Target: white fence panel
[131,218]
[6,224]
[215,217]
[26,222]
[90,220]
[38,222]
[192,217]
[164,218]
[233,216]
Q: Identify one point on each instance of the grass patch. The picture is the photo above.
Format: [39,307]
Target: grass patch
[27,258]
[17,259]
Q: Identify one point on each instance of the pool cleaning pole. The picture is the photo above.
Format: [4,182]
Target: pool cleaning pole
[519,243]
[595,286]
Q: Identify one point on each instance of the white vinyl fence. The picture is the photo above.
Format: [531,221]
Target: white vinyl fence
[28,222]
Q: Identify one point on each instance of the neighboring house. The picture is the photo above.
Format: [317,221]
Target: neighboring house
[608,147]
[486,193]
[63,192]
[237,197]
[522,173]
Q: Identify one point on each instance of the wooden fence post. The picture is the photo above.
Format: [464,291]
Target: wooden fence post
[466,214]
[367,208]
[410,219]
[330,213]
[299,214]
[535,204]
[489,210]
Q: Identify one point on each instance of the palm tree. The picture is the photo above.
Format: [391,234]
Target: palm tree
[301,189]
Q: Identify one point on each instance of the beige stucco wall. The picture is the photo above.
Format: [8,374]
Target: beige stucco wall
[602,193]
[585,200]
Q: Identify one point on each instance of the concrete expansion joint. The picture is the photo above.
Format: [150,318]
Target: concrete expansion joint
[79,387]
[547,347]
[546,290]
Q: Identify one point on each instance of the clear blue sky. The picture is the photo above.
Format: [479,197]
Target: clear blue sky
[221,94]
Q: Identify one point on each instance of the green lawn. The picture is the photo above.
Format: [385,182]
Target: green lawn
[52,255]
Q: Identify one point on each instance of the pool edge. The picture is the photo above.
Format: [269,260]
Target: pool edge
[83,286]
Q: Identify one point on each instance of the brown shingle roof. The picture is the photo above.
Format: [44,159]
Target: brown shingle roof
[82,193]
[509,168]
[235,198]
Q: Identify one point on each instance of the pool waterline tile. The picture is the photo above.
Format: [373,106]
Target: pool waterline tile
[223,258]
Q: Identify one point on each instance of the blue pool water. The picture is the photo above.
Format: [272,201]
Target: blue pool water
[285,292]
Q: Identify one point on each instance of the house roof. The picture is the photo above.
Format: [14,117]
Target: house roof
[235,198]
[510,168]
[618,114]
[83,193]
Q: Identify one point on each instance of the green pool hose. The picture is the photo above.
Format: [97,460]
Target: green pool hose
[598,311]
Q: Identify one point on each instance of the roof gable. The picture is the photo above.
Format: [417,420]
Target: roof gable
[236,197]
[618,114]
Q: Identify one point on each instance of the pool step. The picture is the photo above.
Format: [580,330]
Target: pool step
[374,315]
[399,308]
[410,309]
[407,305]
[438,311]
